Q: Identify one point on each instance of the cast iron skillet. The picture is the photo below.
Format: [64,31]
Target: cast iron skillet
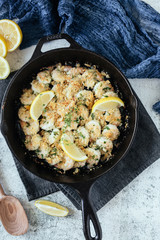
[81,183]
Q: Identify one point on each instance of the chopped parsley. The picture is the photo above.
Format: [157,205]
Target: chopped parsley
[80,134]
[106,88]
[81,118]
[106,127]
[67,119]
[54,151]
[76,120]
[92,116]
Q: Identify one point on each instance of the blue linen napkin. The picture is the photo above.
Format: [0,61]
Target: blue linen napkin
[127,32]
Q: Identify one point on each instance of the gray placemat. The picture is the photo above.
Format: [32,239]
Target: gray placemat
[144,151]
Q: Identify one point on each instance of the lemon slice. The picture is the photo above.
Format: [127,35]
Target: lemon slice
[71,149]
[51,208]
[12,34]
[3,47]
[39,104]
[105,104]
[4,68]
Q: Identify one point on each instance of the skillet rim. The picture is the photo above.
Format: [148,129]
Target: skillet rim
[85,51]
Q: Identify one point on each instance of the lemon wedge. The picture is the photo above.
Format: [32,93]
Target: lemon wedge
[4,68]
[3,47]
[51,208]
[39,104]
[107,103]
[12,34]
[71,149]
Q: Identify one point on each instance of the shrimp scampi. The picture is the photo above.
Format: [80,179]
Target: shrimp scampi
[71,113]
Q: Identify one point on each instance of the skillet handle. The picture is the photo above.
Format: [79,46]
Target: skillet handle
[89,214]
[37,52]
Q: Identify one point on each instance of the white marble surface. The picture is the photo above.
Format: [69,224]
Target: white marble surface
[134,214]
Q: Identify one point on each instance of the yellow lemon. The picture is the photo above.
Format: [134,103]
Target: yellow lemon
[107,103]
[71,149]
[12,34]
[4,68]
[3,47]
[51,208]
[39,104]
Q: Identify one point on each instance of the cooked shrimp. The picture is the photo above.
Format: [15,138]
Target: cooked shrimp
[101,87]
[30,128]
[32,143]
[94,129]
[104,144]
[83,114]
[66,164]
[24,114]
[51,137]
[64,107]
[72,89]
[71,120]
[58,76]
[27,97]
[39,87]
[55,156]
[70,134]
[85,97]
[52,105]
[75,71]
[113,116]
[90,78]
[44,77]
[111,132]
[43,150]
[93,156]
[47,121]
[110,94]
[82,136]
[65,68]
[58,90]
[79,164]
[53,160]
[99,116]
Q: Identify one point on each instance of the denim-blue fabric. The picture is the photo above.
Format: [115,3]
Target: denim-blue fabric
[127,32]
[37,18]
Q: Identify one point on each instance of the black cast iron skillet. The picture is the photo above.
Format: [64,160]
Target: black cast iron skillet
[81,183]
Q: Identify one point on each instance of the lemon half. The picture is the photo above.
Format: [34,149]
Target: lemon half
[71,149]
[107,103]
[51,208]
[39,104]
[12,34]
[4,68]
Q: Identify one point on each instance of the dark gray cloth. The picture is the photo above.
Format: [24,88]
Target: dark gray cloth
[144,151]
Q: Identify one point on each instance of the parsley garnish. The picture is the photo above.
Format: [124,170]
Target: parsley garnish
[106,88]
[92,116]
[106,127]
[80,134]
[67,119]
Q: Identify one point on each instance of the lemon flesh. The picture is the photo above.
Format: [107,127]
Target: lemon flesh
[3,47]
[4,68]
[105,104]
[39,104]
[51,208]
[71,149]
[12,34]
